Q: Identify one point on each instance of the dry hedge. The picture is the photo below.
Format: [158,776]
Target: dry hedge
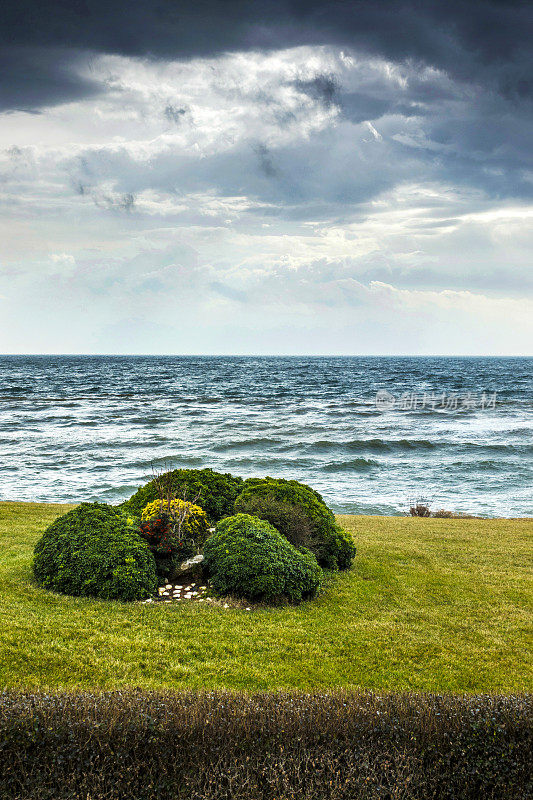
[217,746]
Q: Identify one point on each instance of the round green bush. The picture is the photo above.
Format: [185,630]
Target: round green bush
[213,491]
[92,551]
[301,515]
[248,557]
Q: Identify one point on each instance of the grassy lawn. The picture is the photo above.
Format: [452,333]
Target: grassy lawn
[430,604]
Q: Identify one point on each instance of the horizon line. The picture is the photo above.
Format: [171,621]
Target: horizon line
[266,355]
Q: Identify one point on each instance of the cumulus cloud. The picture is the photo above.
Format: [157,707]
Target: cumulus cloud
[355,202]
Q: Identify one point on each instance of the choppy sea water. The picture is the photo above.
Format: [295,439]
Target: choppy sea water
[368,432]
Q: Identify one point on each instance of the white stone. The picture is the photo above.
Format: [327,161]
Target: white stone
[191,562]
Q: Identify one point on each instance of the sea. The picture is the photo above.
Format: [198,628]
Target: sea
[372,434]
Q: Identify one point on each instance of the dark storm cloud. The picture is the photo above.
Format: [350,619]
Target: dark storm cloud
[123,202]
[485,41]
[37,77]
[266,164]
[174,114]
[359,106]
[323,88]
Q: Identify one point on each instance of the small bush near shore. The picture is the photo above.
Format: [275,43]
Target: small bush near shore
[220,746]
[215,492]
[91,551]
[443,514]
[248,557]
[271,499]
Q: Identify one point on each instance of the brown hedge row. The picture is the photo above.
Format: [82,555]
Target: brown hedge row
[214,746]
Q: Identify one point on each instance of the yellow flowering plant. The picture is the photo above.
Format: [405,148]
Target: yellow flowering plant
[190,521]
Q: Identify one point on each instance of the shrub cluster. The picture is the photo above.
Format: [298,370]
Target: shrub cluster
[91,551]
[272,548]
[217,746]
[213,491]
[248,557]
[300,513]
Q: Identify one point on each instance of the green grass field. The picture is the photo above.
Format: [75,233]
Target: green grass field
[430,604]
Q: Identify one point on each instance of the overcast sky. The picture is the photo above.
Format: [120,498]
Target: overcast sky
[276,177]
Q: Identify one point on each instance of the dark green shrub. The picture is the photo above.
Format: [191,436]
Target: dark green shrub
[289,519]
[256,481]
[92,551]
[213,491]
[301,515]
[248,557]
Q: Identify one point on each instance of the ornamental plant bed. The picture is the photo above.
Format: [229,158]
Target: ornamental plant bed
[271,544]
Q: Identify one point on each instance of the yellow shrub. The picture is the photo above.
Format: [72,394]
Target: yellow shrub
[194,525]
